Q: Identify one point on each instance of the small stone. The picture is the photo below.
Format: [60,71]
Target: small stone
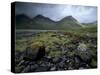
[53,68]
[63,58]
[67,61]
[70,68]
[33,67]
[49,57]
[61,64]
[43,64]
[81,68]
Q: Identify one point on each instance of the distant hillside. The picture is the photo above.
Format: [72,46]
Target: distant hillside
[69,22]
[41,22]
[90,24]
[22,21]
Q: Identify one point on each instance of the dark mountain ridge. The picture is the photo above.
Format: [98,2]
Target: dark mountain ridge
[41,22]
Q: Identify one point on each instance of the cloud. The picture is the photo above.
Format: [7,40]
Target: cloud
[56,12]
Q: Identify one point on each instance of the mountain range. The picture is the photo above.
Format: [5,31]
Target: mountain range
[41,22]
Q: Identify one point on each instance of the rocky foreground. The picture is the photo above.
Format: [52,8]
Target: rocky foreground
[57,51]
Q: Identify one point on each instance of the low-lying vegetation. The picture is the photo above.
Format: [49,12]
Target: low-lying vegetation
[56,50]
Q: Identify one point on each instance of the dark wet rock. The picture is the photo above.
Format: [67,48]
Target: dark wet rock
[34,54]
[30,62]
[50,64]
[26,69]
[16,62]
[63,58]
[42,68]
[70,62]
[85,55]
[77,62]
[84,65]
[25,63]
[21,62]
[47,58]
[29,55]
[18,54]
[47,64]
[44,63]
[34,67]
[61,64]
[70,68]
[41,53]
[18,69]
[56,60]
[81,68]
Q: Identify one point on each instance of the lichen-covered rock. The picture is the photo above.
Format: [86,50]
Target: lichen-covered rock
[84,52]
[85,56]
[82,47]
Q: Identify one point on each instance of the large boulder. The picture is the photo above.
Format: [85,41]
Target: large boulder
[82,47]
[34,52]
[84,52]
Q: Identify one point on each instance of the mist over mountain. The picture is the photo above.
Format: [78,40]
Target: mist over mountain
[56,12]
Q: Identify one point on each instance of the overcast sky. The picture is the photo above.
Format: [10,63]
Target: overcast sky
[56,12]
